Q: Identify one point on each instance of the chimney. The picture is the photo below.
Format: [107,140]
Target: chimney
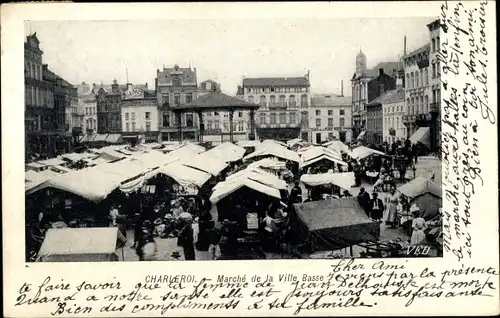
[380,71]
[129,86]
[146,86]
[342,88]
[308,75]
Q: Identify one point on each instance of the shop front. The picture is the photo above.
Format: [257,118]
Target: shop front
[281,134]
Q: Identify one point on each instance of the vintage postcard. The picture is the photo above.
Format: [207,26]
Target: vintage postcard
[250,159]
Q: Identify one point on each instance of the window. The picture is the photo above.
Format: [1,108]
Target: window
[408,80]
[176,81]
[189,120]
[433,70]
[282,118]
[318,122]
[282,102]
[240,114]
[133,126]
[438,69]
[216,113]
[303,101]
[330,135]
[272,100]
[330,122]
[330,112]
[126,116]
[262,118]
[397,122]
[412,81]
[433,45]
[342,122]
[426,77]
[86,110]
[148,126]
[262,100]
[342,112]
[250,99]
[165,100]
[241,126]
[291,101]
[249,90]
[216,124]
[177,99]
[417,80]
[421,78]
[166,120]
[318,112]
[292,118]
[273,118]
[148,115]
[225,126]
[132,116]
[189,97]
[438,44]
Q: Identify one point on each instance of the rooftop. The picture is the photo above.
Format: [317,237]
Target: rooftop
[215,101]
[330,100]
[187,76]
[424,48]
[276,82]
[389,97]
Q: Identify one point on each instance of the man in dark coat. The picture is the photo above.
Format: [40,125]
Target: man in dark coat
[377,207]
[364,200]
[295,194]
[185,240]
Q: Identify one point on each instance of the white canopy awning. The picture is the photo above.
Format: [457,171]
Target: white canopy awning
[423,135]
[261,176]
[226,188]
[337,145]
[184,175]
[361,136]
[227,152]
[268,163]
[362,152]
[269,148]
[206,162]
[344,180]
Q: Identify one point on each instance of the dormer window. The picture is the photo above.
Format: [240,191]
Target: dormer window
[176,81]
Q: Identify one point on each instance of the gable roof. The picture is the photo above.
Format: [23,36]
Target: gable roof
[388,68]
[187,75]
[276,82]
[216,100]
[421,49]
[389,97]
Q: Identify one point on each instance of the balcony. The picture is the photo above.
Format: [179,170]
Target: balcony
[409,119]
[278,105]
[267,125]
[434,107]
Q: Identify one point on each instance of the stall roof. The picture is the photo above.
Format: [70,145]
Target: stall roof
[70,241]
[422,135]
[227,152]
[271,148]
[420,186]
[344,180]
[206,162]
[268,163]
[100,137]
[362,152]
[35,165]
[184,175]
[296,141]
[227,187]
[317,151]
[187,150]
[248,143]
[154,159]
[321,157]
[337,146]
[52,162]
[114,138]
[260,176]
[75,157]
[331,213]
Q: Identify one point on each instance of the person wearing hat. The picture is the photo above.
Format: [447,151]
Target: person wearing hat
[146,238]
[185,239]
[295,194]
[418,226]
[175,255]
[377,207]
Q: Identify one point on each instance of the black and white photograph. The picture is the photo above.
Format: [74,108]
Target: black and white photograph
[220,139]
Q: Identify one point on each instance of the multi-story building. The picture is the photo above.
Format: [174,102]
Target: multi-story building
[87,105]
[76,125]
[435,85]
[40,119]
[140,114]
[330,118]
[417,89]
[109,109]
[175,86]
[284,104]
[366,87]
[374,123]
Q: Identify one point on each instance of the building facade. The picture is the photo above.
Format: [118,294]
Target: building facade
[40,117]
[284,106]
[393,110]
[175,86]
[435,84]
[87,105]
[365,85]
[330,118]
[109,109]
[140,115]
[374,123]
[417,89]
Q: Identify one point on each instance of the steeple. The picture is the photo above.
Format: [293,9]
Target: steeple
[360,62]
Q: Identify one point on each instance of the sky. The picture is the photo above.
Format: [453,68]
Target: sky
[224,50]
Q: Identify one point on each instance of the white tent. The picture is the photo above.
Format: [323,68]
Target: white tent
[295,142]
[270,148]
[227,152]
[248,143]
[206,162]
[337,146]
[227,187]
[344,180]
[187,151]
[315,154]
[261,176]
[154,159]
[362,152]
[184,175]
[268,163]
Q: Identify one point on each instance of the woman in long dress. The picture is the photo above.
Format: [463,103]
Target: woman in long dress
[419,225]
[392,209]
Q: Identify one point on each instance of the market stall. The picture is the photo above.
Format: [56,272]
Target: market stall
[82,245]
[321,158]
[332,224]
[327,183]
[337,146]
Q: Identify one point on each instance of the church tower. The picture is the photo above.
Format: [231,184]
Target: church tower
[360,62]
